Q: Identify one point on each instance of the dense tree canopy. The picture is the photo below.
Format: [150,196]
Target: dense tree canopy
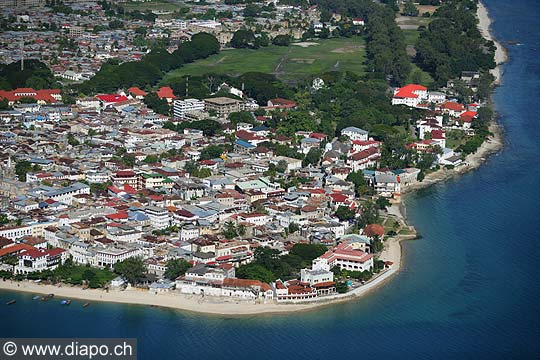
[452,43]
[132,269]
[35,75]
[386,49]
[150,69]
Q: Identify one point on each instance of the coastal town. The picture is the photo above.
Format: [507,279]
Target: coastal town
[213,190]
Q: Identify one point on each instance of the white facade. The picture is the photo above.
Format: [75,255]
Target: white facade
[159,217]
[188,105]
[355,133]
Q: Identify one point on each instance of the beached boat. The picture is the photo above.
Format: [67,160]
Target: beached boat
[65,302]
[50,296]
[11,302]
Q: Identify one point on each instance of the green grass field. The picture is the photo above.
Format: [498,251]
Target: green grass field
[151,5]
[287,63]
[411,36]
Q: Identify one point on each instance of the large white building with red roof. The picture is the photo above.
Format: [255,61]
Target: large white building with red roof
[410,95]
[345,257]
[35,259]
[45,96]
[414,95]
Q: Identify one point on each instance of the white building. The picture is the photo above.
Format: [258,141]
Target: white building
[345,257]
[159,217]
[354,133]
[181,107]
[107,257]
[410,95]
[39,259]
[96,177]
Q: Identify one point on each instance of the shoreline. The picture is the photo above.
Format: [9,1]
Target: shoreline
[501,54]
[393,250]
[493,143]
[220,306]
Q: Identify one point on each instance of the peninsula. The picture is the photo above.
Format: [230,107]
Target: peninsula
[165,176]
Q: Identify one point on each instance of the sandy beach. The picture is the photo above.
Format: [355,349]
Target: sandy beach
[208,305]
[218,306]
[494,143]
[484,25]
[392,251]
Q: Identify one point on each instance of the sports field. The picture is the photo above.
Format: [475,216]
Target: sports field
[299,60]
[153,5]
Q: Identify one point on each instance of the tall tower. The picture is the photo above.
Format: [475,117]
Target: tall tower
[22,54]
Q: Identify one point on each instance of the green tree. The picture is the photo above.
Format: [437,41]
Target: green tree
[132,269]
[161,106]
[312,157]
[21,168]
[293,227]
[71,140]
[3,219]
[345,213]
[129,160]
[151,159]
[410,9]
[176,268]
[282,40]
[376,244]
[255,272]
[370,214]
[211,152]
[361,186]
[308,252]
[382,202]
[243,39]
[341,287]
[230,231]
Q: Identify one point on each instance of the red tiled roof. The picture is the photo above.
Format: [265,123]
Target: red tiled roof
[324,284]
[136,91]
[454,106]
[43,95]
[338,198]
[112,98]
[165,92]
[374,229]
[282,103]
[437,134]
[364,154]
[319,136]
[14,249]
[116,216]
[408,91]
[468,116]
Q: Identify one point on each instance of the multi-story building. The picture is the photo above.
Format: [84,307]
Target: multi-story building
[108,256]
[126,177]
[345,257]
[222,106]
[159,217]
[181,107]
[39,260]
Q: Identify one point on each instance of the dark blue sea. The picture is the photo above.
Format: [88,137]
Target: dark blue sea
[470,288]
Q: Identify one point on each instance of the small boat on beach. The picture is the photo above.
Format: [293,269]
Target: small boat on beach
[85,305]
[50,296]
[65,302]
[11,302]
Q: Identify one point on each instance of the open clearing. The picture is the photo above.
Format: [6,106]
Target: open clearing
[300,60]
